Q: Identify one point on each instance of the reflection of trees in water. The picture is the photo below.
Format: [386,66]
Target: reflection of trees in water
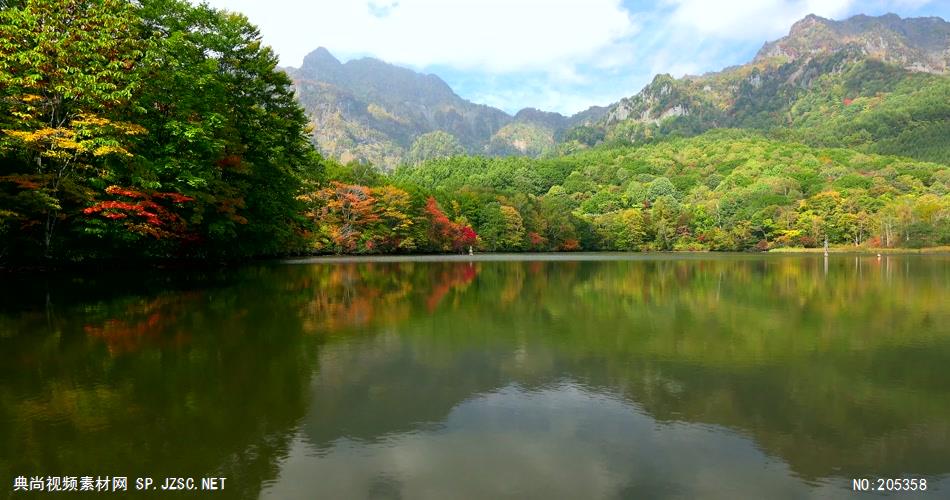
[835,372]
[454,277]
[142,322]
[340,297]
[829,371]
[199,381]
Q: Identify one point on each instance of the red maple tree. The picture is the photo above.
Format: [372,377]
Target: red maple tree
[446,234]
[141,213]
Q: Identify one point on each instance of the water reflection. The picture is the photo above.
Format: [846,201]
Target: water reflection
[186,377]
[713,376]
[563,441]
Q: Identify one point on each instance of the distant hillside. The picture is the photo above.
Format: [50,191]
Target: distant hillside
[368,110]
[877,84]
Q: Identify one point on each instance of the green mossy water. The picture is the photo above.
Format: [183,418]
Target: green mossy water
[592,376]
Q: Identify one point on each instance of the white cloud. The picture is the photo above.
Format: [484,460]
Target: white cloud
[749,19]
[542,96]
[558,55]
[492,35]
[911,4]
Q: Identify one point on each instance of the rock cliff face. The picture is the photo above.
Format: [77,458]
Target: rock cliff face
[916,44]
[664,97]
[762,93]
[368,110]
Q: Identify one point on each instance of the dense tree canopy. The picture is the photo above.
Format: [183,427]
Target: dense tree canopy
[149,129]
[159,129]
[724,190]
[436,144]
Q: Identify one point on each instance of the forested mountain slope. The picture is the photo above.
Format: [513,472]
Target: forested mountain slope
[876,84]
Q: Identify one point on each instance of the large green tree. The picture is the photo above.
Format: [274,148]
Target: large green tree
[230,133]
[146,129]
[67,73]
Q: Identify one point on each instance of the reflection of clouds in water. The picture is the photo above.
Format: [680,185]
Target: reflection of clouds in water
[559,442]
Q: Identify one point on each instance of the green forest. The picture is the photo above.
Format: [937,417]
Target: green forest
[158,129]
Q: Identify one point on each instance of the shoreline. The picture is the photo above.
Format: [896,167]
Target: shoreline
[198,264]
[864,250]
[592,256]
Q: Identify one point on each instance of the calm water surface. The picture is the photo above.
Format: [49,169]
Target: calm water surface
[705,376]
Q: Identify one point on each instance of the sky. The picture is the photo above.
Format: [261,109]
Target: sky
[554,55]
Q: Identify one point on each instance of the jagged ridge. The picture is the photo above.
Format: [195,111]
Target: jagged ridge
[368,110]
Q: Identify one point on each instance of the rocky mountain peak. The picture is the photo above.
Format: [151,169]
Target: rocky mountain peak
[917,44]
[320,64]
[320,57]
[808,23]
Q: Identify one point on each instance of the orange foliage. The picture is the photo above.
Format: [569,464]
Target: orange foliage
[344,299]
[536,240]
[571,245]
[144,324]
[229,207]
[357,218]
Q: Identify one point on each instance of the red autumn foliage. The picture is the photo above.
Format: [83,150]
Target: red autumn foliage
[847,101]
[437,218]
[142,215]
[536,240]
[444,232]
[147,210]
[466,237]
[173,197]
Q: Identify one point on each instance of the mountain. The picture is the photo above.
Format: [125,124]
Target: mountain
[917,44]
[368,110]
[877,84]
[373,111]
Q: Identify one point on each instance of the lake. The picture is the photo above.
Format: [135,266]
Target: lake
[551,376]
